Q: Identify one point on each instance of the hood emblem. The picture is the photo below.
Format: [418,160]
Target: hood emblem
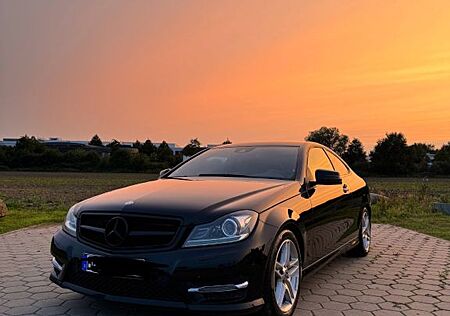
[116,231]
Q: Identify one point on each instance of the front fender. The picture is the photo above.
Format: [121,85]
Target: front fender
[285,217]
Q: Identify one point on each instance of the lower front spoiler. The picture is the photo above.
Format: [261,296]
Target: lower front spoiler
[234,307]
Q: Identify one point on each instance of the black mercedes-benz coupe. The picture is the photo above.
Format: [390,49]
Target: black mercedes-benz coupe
[234,228]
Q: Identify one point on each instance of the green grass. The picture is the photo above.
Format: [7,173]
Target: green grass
[410,204]
[44,197]
[23,218]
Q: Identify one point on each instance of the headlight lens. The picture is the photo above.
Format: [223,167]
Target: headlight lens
[230,228]
[70,224]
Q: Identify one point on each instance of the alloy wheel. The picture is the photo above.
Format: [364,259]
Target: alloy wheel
[286,275]
[366,230]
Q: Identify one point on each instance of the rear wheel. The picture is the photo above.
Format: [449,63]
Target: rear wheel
[365,236]
[285,272]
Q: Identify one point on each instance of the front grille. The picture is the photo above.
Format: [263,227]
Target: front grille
[142,231]
[153,287]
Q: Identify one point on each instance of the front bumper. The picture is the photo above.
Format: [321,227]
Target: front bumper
[214,278]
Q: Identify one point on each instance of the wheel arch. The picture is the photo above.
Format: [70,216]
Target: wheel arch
[285,218]
[293,227]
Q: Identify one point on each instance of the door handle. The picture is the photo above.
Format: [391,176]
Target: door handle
[345,188]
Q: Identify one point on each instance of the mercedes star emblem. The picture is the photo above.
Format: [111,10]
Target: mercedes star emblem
[116,231]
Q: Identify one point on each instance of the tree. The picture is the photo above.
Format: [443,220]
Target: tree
[418,155]
[96,141]
[3,156]
[137,144]
[330,137]
[443,154]
[91,160]
[148,148]
[120,159]
[140,162]
[355,156]
[192,148]
[49,158]
[441,162]
[391,156]
[114,145]
[227,142]
[164,153]
[29,145]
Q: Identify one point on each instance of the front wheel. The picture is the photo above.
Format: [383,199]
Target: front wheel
[285,272]
[365,236]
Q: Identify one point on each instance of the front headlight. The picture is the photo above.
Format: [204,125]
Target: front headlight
[229,228]
[70,224]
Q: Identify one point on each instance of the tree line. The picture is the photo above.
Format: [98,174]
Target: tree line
[31,154]
[391,156]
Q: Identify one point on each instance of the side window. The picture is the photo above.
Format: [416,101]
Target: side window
[338,164]
[317,159]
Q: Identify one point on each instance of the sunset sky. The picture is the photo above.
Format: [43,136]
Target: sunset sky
[246,70]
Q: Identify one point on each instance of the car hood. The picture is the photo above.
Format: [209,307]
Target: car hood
[195,200]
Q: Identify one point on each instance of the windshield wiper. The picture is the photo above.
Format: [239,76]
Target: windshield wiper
[179,178]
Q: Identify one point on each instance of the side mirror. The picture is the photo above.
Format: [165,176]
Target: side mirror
[163,172]
[327,177]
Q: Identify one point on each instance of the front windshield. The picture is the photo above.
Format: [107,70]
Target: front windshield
[271,162]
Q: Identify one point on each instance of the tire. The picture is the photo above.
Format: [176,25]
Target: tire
[283,280]
[364,236]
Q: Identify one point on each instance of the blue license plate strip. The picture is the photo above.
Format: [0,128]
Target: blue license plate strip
[88,263]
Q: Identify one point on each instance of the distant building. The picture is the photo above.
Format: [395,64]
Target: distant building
[10,142]
[430,159]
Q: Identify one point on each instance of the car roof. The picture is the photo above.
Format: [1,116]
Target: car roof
[302,144]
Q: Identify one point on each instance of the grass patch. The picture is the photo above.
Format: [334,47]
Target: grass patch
[35,198]
[410,204]
[44,197]
[17,219]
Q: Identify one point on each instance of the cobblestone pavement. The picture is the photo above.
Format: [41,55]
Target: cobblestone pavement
[406,273]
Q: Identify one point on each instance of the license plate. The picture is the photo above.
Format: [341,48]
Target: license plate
[114,266]
[88,263]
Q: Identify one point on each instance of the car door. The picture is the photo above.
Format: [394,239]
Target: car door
[322,221]
[349,206]
[351,202]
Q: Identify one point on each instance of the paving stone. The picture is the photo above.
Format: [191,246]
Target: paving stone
[15,296]
[371,299]
[387,313]
[52,310]
[354,312]
[316,298]
[406,273]
[343,298]
[414,312]
[369,307]
[336,306]
[397,299]
[424,299]
[423,306]
[22,310]
[19,302]
[444,306]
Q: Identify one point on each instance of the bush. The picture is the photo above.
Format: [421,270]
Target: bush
[120,160]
